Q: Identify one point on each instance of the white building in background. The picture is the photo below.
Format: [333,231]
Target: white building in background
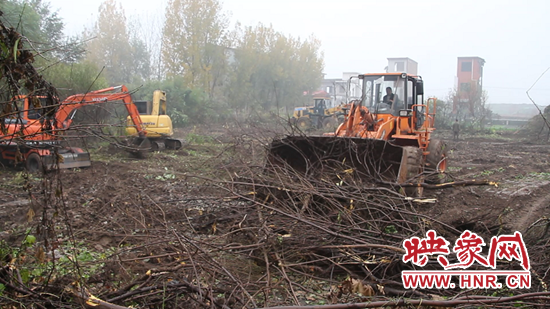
[342,90]
[402,65]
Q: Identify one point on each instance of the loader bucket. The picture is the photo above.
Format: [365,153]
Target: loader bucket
[325,157]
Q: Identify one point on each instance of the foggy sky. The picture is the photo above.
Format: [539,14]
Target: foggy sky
[359,36]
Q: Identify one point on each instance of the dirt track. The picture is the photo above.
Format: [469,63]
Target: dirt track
[522,172]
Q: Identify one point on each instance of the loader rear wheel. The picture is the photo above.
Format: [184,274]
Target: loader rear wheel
[410,171]
[34,164]
[303,123]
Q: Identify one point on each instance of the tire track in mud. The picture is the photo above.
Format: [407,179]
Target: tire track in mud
[534,211]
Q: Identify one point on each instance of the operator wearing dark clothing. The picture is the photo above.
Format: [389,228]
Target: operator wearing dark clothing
[456,130]
[389,98]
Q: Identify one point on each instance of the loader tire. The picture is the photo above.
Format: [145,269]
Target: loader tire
[34,164]
[303,123]
[436,160]
[330,123]
[292,121]
[411,171]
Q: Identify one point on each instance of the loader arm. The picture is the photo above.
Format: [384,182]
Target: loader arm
[64,115]
[360,122]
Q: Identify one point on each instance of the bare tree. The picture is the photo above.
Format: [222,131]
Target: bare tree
[469,105]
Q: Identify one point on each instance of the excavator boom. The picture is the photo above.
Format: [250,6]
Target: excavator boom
[34,138]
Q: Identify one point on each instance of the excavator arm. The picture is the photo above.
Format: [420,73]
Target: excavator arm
[64,114]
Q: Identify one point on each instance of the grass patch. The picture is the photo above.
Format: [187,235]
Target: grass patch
[454,169]
[490,172]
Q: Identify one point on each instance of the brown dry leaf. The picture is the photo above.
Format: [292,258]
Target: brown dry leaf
[363,289]
[60,158]
[40,255]
[214,228]
[381,289]
[30,215]
[345,287]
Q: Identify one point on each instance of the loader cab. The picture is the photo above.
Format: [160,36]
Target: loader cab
[319,106]
[405,89]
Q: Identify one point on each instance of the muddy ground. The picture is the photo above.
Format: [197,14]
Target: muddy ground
[132,216]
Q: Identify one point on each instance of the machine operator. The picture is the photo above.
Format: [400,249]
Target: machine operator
[390,97]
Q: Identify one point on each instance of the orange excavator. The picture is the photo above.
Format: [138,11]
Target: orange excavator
[386,136]
[33,127]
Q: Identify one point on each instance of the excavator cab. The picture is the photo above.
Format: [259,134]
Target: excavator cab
[157,123]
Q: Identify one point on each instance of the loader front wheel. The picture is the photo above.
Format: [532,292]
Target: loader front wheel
[34,164]
[292,121]
[436,160]
[303,123]
[410,171]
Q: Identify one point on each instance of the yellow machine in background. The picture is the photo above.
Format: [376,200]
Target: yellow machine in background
[157,123]
[319,116]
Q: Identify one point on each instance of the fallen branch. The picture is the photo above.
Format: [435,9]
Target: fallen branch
[473,182]
[91,301]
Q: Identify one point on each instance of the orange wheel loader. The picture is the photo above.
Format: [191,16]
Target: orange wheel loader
[385,137]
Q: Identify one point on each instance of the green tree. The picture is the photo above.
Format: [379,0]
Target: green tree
[51,25]
[73,78]
[184,105]
[271,70]
[144,45]
[35,20]
[469,107]
[443,117]
[538,127]
[124,58]
[42,26]
[194,43]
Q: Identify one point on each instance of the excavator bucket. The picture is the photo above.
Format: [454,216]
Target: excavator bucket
[139,147]
[334,158]
[73,158]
